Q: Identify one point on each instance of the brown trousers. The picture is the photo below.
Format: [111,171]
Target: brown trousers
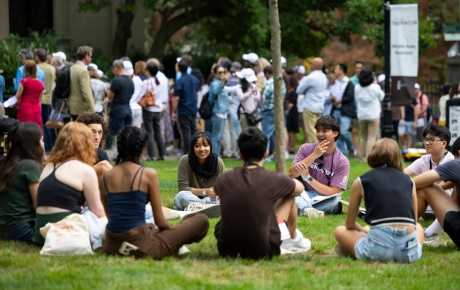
[162,244]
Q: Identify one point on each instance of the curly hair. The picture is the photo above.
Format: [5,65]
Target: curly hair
[130,142]
[385,152]
[75,141]
[89,118]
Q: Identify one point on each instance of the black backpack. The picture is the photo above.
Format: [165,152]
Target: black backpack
[205,109]
[62,89]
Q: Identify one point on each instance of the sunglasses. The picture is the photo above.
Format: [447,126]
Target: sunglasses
[321,159]
[221,72]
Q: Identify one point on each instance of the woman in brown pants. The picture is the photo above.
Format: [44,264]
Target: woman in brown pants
[126,189]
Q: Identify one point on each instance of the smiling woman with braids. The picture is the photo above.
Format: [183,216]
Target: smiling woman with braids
[126,189]
[197,172]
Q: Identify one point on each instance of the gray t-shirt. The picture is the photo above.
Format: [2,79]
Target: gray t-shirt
[450,171]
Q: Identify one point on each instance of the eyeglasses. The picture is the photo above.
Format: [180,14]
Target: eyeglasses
[430,141]
[221,72]
[321,164]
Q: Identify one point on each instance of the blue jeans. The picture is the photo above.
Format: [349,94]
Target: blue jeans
[345,135]
[385,243]
[268,124]
[47,137]
[118,120]
[187,127]
[218,125]
[152,127]
[329,206]
[22,233]
[184,198]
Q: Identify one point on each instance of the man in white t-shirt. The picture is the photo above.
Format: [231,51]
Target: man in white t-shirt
[314,87]
[436,138]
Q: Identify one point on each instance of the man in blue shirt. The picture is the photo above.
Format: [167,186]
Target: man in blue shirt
[26,55]
[185,104]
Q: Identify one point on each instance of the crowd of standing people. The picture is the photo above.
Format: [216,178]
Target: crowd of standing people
[51,173]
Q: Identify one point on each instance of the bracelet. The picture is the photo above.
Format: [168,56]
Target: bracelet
[308,179]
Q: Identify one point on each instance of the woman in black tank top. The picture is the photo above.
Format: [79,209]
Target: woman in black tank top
[68,180]
[391,210]
[126,189]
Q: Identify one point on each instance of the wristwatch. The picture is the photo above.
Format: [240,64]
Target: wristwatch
[308,179]
[204,193]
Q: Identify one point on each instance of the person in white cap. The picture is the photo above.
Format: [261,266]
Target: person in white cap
[136,109]
[250,96]
[422,104]
[119,94]
[250,61]
[81,98]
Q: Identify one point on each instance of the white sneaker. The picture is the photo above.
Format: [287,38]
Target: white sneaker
[183,251]
[297,245]
[311,212]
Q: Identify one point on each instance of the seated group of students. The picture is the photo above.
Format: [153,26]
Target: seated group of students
[253,202]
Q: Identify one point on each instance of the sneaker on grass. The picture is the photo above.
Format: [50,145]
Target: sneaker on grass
[297,245]
[311,212]
[210,210]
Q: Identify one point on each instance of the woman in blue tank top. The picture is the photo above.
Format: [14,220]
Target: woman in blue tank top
[391,211]
[126,189]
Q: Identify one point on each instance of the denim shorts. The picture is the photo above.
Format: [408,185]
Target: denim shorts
[385,243]
[407,128]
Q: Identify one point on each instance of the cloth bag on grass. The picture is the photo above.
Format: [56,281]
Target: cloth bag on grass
[70,236]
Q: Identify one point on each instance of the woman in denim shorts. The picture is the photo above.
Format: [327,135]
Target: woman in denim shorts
[391,206]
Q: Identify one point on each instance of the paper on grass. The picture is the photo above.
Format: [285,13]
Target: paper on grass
[318,198]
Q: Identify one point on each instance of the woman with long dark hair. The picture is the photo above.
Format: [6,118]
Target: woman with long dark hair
[368,96]
[197,172]
[126,189]
[19,175]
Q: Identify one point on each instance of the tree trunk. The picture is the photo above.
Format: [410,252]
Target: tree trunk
[275,45]
[123,31]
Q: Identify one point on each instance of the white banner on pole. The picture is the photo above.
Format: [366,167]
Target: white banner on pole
[404,40]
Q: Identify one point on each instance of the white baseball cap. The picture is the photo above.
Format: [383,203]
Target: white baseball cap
[283,61]
[299,69]
[93,65]
[417,86]
[248,74]
[60,54]
[128,66]
[251,57]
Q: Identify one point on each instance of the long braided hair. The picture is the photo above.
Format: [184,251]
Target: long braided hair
[130,142]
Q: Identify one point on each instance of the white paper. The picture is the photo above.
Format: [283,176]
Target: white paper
[10,102]
[318,198]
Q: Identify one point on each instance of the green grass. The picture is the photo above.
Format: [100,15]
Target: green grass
[22,267]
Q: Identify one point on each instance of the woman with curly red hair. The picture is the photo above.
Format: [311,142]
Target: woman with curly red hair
[68,180]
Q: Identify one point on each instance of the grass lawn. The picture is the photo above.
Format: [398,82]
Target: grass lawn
[22,267]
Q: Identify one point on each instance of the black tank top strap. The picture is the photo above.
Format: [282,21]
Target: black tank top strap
[140,179]
[134,178]
[61,164]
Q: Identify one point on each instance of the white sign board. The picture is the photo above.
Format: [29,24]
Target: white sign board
[454,126]
[404,40]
